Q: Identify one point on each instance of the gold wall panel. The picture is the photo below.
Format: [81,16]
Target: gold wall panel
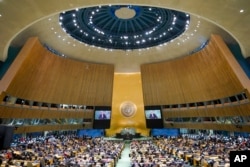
[127,97]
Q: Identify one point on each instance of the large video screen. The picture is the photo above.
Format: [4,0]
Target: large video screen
[153,114]
[102,117]
[102,114]
[153,117]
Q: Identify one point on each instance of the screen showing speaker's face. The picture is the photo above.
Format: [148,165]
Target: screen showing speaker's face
[153,114]
[102,114]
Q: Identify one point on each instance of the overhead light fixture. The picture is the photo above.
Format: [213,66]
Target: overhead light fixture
[130,32]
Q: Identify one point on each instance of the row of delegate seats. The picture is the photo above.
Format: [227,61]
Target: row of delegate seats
[186,151]
[63,151]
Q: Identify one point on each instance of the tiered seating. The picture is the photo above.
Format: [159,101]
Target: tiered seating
[64,151]
[186,151]
[182,151]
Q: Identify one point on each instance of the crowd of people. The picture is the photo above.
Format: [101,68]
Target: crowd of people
[187,151]
[147,154]
[160,151]
[63,151]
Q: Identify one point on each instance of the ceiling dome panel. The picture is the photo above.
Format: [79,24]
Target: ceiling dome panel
[124,27]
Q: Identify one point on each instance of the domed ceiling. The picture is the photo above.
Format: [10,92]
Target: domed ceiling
[124,27]
[126,34]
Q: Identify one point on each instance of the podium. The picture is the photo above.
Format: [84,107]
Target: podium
[128,134]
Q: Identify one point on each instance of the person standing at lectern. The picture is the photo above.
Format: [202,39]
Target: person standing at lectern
[152,115]
[102,115]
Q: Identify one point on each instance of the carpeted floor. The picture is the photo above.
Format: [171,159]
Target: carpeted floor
[125,160]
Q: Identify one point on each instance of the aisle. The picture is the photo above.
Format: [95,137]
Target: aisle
[125,160]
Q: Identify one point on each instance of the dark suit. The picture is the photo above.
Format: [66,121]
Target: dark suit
[102,116]
[153,116]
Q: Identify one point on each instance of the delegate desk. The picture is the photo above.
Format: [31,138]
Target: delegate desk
[128,136]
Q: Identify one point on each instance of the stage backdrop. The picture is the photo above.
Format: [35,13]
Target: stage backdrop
[127,105]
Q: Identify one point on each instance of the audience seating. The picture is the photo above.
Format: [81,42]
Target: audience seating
[63,151]
[161,151]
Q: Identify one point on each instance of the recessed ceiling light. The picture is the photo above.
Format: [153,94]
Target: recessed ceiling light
[86,28]
[241,11]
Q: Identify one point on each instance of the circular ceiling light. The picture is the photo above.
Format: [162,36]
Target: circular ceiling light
[125,13]
[124,27]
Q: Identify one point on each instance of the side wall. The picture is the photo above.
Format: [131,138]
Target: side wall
[212,73]
[39,75]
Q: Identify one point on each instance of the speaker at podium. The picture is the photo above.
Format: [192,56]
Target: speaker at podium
[128,134]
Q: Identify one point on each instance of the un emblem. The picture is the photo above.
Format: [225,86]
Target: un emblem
[128,109]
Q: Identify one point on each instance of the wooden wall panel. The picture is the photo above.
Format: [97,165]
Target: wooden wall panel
[2,95]
[24,112]
[235,66]
[45,77]
[202,76]
[42,128]
[240,110]
[212,126]
[17,63]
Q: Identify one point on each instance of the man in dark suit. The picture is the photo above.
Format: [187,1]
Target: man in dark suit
[102,115]
[152,115]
